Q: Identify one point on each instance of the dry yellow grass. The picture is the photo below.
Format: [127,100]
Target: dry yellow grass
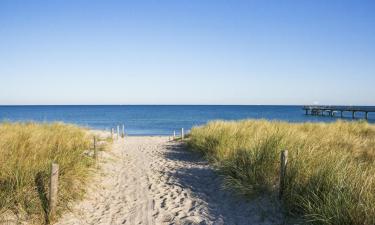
[26,153]
[331,170]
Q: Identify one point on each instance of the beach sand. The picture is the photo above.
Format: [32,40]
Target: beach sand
[151,180]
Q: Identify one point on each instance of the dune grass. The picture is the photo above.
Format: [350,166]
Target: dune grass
[331,169]
[26,153]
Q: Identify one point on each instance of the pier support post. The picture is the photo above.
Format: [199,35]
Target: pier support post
[366,115]
[283,165]
[353,114]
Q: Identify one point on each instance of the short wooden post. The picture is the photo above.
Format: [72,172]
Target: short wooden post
[366,115]
[123,131]
[283,166]
[53,190]
[118,131]
[95,150]
[174,134]
[182,133]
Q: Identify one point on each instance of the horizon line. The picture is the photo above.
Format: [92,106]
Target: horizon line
[10,105]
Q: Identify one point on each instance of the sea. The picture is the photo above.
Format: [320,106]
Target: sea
[158,119]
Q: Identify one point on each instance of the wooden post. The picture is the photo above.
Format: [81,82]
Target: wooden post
[182,133]
[283,166]
[118,131]
[174,134]
[95,150]
[123,130]
[366,115]
[53,190]
[353,114]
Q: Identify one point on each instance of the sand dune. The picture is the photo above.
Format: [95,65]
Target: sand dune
[149,180]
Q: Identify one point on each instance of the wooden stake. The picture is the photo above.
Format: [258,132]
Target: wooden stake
[53,190]
[123,130]
[283,166]
[118,131]
[174,134]
[182,133]
[95,150]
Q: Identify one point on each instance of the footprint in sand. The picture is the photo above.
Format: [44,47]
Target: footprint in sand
[149,180]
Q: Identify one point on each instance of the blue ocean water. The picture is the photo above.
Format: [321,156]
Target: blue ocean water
[157,119]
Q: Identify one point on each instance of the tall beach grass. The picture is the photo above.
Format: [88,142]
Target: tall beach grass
[330,174]
[26,153]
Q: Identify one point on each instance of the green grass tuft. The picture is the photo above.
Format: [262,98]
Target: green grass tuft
[26,153]
[331,166]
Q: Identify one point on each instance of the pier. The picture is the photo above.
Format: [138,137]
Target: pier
[323,110]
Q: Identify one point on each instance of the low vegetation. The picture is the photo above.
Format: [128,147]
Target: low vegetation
[26,153]
[331,168]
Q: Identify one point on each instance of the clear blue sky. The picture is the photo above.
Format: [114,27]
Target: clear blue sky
[187,52]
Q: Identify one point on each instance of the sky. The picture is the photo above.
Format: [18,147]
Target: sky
[187,52]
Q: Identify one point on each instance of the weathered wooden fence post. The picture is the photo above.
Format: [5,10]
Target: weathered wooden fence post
[53,190]
[283,166]
[174,134]
[95,150]
[182,133]
[123,130]
[118,131]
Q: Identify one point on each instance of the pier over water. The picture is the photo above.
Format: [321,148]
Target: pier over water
[322,110]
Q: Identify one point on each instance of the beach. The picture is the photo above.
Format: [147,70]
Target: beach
[225,172]
[152,180]
[187,112]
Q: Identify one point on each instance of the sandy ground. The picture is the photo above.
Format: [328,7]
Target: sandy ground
[150,180]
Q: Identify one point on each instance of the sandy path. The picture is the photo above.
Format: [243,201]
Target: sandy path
[149,180]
